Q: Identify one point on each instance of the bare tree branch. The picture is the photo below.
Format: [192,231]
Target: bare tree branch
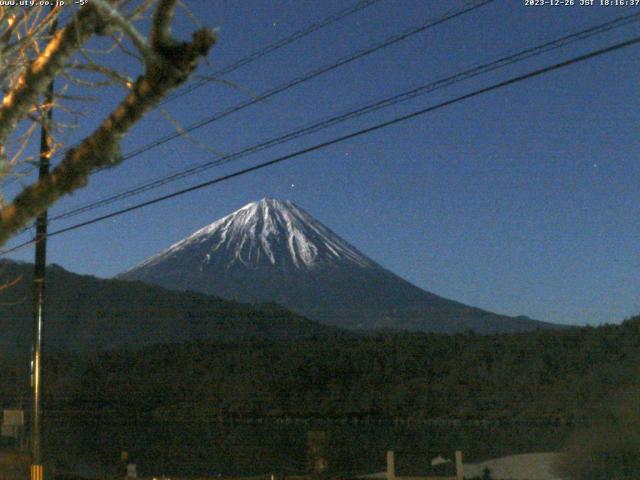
[161,29]
[35,79]
[174,62]
[122,23]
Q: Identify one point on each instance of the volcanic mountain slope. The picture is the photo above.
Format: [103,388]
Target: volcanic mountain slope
[273,251]
[84,313]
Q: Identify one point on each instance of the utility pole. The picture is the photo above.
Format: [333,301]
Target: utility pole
[46,146]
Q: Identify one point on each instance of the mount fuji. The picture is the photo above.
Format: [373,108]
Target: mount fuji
[274,251]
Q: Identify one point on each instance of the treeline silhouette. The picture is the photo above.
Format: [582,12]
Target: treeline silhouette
[544,376]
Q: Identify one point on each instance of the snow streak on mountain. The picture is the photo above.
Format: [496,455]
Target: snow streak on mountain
[273,251]
[268,232]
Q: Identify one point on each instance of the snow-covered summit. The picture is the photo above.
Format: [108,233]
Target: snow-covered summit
[274,251]
[265,232]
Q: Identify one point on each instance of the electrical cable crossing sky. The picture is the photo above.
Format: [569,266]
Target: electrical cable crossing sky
[299,153]
[386,102]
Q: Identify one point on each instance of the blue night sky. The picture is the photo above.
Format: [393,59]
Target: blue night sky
[519,201]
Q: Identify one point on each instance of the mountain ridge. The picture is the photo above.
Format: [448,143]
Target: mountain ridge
[273,216]
[85,313]
[273,250]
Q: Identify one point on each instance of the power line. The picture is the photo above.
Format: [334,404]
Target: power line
[450,15]
[262,52]
[358,133]
[255,55]
[386,102]
[304,78]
